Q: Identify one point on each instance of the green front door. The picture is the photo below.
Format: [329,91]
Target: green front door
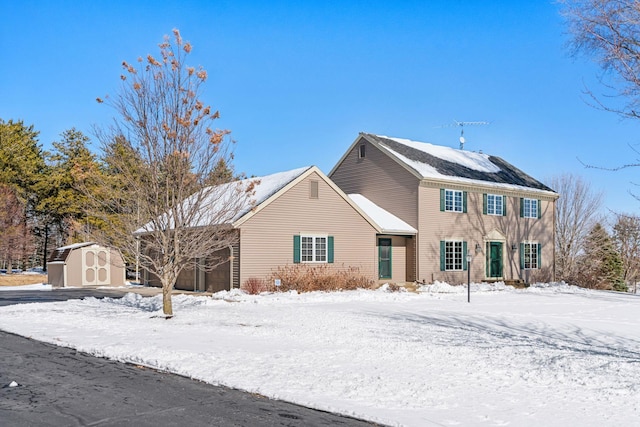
[494,259]
[384,258]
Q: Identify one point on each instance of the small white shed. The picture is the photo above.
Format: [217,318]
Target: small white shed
[85,264]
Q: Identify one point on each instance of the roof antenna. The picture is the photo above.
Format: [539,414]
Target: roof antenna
[462,125]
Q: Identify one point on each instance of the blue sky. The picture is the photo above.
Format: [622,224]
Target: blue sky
[295,81]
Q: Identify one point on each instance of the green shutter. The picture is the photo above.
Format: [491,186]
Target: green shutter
[504,205]
[330,249]
[296,249]
[539,209]
[442,200]
[442,255]
[484,204]
[464,202]
[522,256]
[464,256]
[539,255]
[521,207]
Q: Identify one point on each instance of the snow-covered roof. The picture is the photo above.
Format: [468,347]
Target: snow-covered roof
[227,203]
[265,187]
[431,161]
[75,246]
[387,222]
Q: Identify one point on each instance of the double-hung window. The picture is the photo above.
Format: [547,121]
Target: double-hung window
[453,255]
[494,204]
[454,200]
[313,248]
[530,255]
[529,208]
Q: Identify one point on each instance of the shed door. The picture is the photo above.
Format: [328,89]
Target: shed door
[95,266]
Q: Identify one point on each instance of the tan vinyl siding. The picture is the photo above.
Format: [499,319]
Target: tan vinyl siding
[411,259]
[55,274]
[267,237]
[118,271]
[381,180]
[74,268]
[474,228]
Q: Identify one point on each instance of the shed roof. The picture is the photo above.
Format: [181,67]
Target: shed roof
[60,254]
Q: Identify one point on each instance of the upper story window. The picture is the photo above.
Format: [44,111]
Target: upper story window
[529,208]
[494,204]
[454,201]
[362,151]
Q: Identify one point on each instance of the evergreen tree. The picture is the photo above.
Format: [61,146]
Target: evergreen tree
[21,167]
[600,267]
[69,167]
[626,234]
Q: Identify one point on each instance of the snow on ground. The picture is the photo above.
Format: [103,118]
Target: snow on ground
[550,355]
[34,287]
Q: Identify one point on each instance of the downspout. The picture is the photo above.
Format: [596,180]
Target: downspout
[553,278]
[231,259]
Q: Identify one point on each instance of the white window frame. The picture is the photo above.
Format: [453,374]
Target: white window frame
[529,208]
[315,253]
[530,255]
[453,255]
[453,200]
[495,201]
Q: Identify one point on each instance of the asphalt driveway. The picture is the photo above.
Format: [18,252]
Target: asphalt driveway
[59,386]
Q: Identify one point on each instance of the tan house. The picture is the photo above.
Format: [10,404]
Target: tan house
[301,216]
[461,203]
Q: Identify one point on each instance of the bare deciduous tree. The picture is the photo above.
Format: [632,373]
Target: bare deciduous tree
[159,186]
[577,211]
[609,30]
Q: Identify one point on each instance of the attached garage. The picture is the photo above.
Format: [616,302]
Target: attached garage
[85,264]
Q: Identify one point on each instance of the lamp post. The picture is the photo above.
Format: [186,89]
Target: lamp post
[468,276]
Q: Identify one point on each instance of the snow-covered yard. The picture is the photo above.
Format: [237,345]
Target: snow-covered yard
[548,355]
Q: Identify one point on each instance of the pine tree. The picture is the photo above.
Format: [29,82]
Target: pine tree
[69,168]
[626,234]
[600,266]
[21,167]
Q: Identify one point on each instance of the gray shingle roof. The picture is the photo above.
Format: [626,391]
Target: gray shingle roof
[507,173]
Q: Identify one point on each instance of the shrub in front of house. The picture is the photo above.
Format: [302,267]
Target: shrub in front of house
[309,278]
[254,285]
